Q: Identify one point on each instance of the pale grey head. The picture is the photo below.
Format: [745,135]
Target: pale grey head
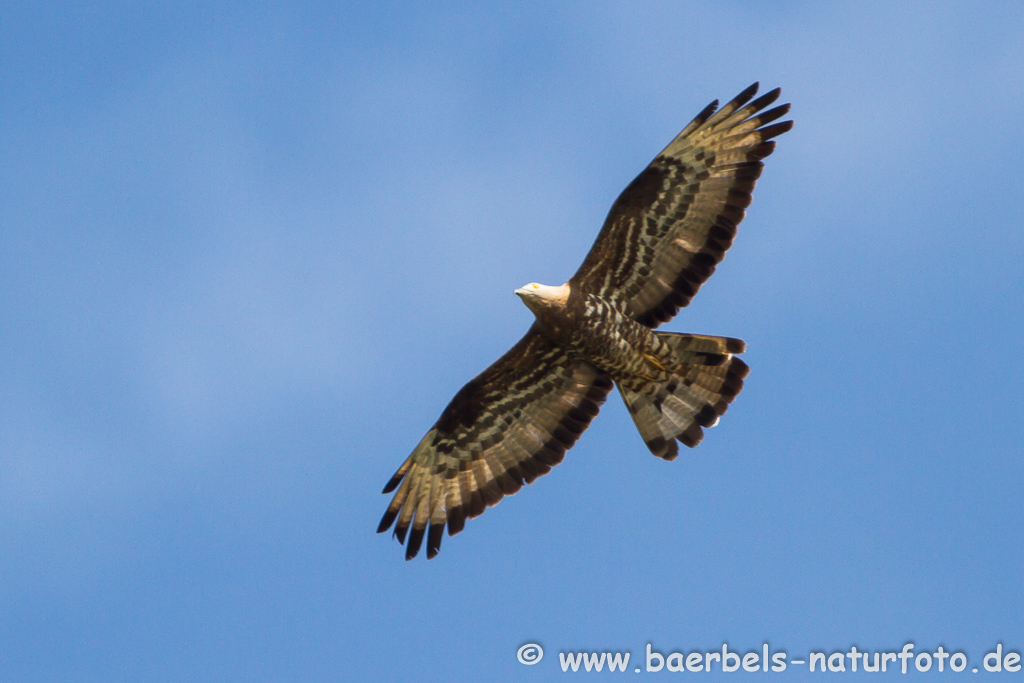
[543,299]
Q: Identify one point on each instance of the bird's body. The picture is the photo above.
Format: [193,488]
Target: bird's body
[594,330]
[661,241]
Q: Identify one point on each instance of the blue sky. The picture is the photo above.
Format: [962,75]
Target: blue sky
[247,256]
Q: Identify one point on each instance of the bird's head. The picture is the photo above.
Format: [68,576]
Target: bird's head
[543,298]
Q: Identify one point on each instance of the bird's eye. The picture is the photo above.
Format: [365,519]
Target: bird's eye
[536,286]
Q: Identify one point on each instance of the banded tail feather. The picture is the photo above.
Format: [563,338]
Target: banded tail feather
[695,397]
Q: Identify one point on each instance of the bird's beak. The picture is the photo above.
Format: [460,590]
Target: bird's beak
[520,292]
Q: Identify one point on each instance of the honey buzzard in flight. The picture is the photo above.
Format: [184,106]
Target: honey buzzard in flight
[661,241]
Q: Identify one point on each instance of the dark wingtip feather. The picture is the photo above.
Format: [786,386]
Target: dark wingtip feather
[772,114]
[747,93]
[456,520]
[476,503]
[386,521]
[415,541]
[769,132]
[766,99]
[761,151]
[705,113]
[400,531]
[434,540]
[397,477]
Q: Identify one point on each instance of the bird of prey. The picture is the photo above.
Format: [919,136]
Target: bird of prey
[661,241]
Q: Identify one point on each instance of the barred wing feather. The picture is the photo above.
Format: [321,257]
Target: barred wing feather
[673,224]
[506,427]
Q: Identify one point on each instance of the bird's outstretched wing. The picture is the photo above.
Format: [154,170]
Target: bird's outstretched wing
[507,426]
[672,225]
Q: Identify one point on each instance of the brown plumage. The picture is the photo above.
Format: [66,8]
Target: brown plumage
[661,241]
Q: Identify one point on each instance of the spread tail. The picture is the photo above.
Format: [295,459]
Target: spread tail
[709,379]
